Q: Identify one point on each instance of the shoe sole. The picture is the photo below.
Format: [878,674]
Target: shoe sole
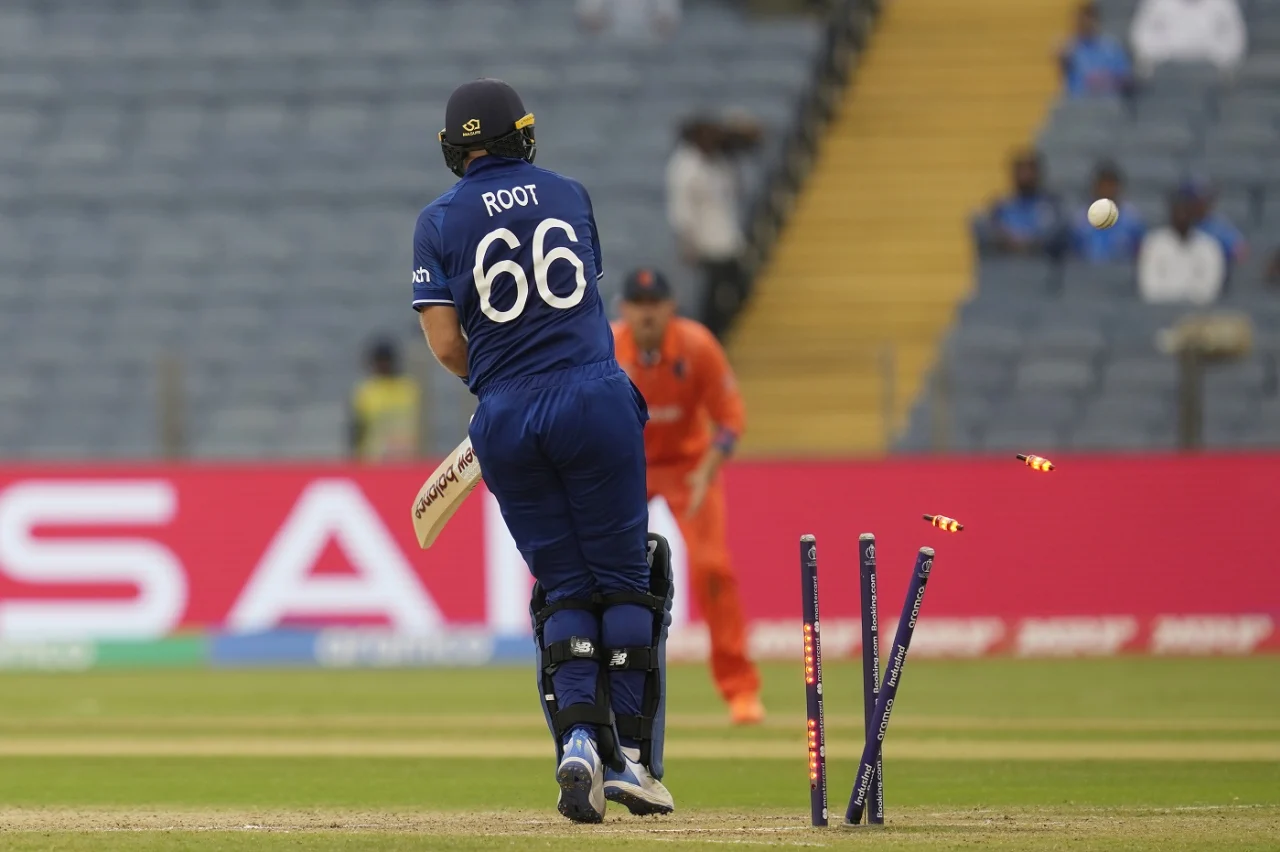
[575,793]
[636,802]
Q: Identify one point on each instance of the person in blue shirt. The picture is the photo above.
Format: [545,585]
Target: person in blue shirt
[505,271]
[1028,222]
[1094,63]
[1213,223]
[1120,242]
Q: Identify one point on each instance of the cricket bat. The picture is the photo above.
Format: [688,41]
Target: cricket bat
[442,494]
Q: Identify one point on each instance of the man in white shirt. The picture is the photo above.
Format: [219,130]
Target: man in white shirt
[1188,31]
[1180,263]
[703,209]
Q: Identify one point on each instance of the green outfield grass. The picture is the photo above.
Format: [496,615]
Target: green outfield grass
[1077,754]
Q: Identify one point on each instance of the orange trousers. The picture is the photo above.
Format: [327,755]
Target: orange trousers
[711,577]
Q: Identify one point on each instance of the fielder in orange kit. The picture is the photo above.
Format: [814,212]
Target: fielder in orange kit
[695,418]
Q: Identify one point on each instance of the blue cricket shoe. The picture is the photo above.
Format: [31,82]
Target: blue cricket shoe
[636,789]
[581,779]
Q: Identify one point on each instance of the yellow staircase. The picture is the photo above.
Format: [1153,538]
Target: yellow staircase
[876,253]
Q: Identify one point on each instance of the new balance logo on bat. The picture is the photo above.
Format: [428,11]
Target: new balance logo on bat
[441,485]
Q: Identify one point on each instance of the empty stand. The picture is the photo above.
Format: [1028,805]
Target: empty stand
[236,184]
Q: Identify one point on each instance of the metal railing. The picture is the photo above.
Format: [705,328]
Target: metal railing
[442,418]
[848,24]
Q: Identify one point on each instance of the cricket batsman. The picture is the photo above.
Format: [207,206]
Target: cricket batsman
[696,416]
[505,274]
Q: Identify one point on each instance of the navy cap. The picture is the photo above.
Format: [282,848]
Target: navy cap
[481,111]
[644,285]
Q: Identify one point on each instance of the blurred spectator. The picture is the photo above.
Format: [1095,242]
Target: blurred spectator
[1094,63]
[1213,223]
[1272,275]
[1179,263]
[384,409]
[1027,222]
[1120,242]
[704,212]
[1188,31]
[630,19]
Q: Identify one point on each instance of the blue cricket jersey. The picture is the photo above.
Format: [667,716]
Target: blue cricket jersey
[514,248]
[1096,66]
[1228,236]
[1031,217]
[1116,244]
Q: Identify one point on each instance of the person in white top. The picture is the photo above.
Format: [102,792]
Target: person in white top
[1180,263]
[704,212]
[1188,31]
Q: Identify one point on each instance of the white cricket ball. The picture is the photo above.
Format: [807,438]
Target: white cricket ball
[1103,213]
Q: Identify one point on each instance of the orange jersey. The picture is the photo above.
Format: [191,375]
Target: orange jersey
[690,389]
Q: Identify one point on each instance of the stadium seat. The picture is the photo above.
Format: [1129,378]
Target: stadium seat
[1151,170]
[1168,138]
[1144,406]
[992,341]
[1251,376]
[1249,107]
[1060,375]
[1185,80]
[1037,409]
[1260,72]
[305,138]
[1081,339]
[1098,282]
[1069,172]
[1008,438]
[1170,107]
[1136,373]
[1015,277]
[1248,137]
[1118,439]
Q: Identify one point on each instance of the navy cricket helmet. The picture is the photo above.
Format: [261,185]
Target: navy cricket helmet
[486,115]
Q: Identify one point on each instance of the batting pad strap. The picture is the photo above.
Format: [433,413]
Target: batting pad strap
[589,605]
[573,648]
[635,727]
[644,599]
[582,714]
[632,659]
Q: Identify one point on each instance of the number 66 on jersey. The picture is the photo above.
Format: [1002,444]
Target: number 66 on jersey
[505,264]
